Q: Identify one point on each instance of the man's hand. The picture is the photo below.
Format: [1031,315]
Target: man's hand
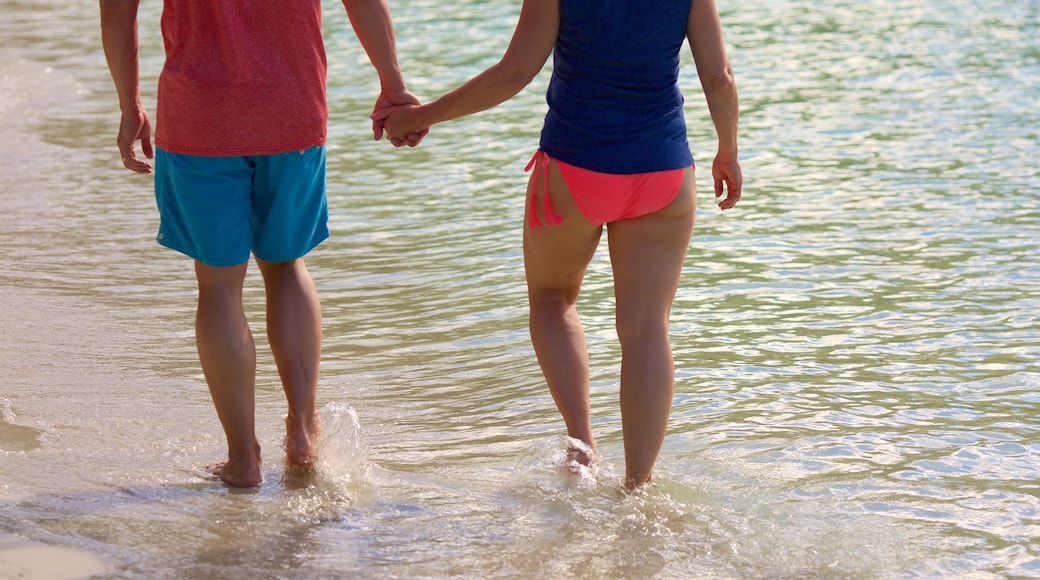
[388,100]
[133,127]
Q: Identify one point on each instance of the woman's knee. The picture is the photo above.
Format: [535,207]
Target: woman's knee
[552,298]
[636,332]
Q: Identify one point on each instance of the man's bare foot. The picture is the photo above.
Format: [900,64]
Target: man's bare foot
[299,444]
[236,476]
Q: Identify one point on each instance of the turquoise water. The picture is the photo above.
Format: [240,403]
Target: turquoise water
[857,343]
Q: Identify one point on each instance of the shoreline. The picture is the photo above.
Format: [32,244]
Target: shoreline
[28,559]
[21,557]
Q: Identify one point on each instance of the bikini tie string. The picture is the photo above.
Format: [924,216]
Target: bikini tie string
[541,158]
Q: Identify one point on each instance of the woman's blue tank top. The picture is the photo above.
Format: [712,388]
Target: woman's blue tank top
[614,99]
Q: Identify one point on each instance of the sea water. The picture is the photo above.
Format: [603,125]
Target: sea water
[856,343]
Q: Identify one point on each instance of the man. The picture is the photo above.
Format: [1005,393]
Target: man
[240,170]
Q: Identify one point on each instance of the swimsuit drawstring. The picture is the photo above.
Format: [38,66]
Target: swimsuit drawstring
[532,214]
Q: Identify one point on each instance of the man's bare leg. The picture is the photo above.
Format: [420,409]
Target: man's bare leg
[228,357]
[294,332]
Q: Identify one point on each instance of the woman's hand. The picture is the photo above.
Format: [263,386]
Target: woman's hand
[403,124]
[386,102]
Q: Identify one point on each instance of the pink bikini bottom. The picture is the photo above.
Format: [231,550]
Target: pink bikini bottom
[604,197]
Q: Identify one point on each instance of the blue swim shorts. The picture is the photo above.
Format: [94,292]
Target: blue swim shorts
[219,209]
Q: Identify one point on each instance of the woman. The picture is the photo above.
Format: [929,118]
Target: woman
[613,152]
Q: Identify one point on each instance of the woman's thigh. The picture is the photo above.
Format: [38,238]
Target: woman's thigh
[647,255]
[556,256]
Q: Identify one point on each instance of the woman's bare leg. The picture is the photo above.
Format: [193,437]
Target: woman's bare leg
[647,255]
[555,259]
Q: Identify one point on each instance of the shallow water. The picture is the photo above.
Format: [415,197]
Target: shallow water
[856,344]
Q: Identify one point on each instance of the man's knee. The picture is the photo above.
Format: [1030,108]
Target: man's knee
[216,278]
[281,269]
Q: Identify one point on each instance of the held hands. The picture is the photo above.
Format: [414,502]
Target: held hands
[133,127]
[402,123]
[389,103]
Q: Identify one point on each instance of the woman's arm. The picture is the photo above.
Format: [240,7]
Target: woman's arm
[528,50]
[704,31]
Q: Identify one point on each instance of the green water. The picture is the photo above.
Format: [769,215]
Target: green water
[857,343]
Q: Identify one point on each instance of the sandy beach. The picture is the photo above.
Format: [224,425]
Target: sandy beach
[25,559]
[21,558]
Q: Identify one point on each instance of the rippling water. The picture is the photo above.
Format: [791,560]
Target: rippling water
[856,344]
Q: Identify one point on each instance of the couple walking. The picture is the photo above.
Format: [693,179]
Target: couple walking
[239,169]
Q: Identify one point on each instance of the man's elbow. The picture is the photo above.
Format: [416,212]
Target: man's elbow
[118,6]
[118,10]
[354,4]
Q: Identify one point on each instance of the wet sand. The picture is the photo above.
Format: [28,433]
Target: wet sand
[20,557]
[26,559]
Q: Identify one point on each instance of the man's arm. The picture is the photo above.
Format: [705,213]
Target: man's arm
[119,39]
[375,29]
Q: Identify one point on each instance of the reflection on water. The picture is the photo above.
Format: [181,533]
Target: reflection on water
[856,344]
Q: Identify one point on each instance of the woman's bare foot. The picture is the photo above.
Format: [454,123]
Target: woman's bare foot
[299,444]
[638,483]
[580,454]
